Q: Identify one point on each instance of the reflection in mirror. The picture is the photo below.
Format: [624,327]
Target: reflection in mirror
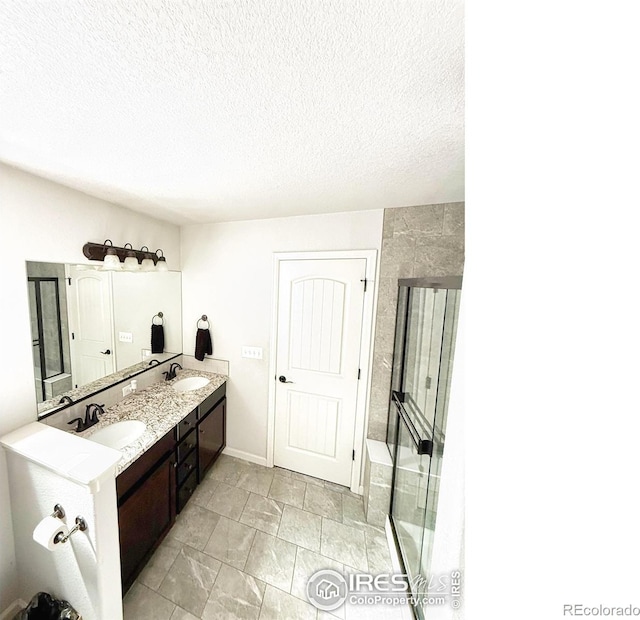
[91,328]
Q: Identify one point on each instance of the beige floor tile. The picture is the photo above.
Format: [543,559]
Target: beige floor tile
[235,596]
[262,513]
[278,605]
[194,526]
[231,542]
[323,502]
[228,501]
[288,491]
[272,560]
[344,543]
[141,603]
[301,528]
[190,580]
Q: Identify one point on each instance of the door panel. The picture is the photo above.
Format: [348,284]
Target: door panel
[320,305]
[313,423]
[91,322]
[317,325]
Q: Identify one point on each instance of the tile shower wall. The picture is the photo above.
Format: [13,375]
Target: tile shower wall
[416,242]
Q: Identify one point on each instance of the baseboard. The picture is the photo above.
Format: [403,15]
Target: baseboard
[13,609]
[245,456]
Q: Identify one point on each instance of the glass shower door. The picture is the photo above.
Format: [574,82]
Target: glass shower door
[425,330]
[46,331]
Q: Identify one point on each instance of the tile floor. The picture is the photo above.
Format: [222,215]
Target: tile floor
[246,544]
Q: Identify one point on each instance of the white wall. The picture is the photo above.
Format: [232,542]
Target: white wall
[448,543]
[137,298]
[227,274]
[44,221]
[72,571]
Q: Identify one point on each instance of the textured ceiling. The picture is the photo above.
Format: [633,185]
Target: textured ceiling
[224,110]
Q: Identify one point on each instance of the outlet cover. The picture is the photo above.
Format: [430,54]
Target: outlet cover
[125,336]
[254,353]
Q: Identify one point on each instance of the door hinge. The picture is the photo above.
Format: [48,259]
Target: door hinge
[73,336]
[69,280]
[358,374]
[353,455]
[365,284]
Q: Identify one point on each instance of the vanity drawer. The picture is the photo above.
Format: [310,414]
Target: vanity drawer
[185,446]
[184,469]
[186,424]
[211,401]
[185,491]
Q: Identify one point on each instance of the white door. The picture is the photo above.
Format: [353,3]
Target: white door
[320,305]
[91,325]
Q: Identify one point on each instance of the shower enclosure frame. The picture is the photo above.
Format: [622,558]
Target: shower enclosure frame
[40,342]
[429,442]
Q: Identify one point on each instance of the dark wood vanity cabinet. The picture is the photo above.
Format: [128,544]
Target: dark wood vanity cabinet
[157,486]
[146,506]
[211,436]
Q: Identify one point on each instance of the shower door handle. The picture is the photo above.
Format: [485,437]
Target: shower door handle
[423,446]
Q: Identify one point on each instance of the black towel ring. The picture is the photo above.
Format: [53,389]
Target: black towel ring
[204,319]
[159,315]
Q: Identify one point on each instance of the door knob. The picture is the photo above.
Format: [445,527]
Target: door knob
[283,379]
[107,352]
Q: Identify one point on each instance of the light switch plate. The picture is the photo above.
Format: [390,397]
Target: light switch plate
[126,390]
[254,353]
[125,336]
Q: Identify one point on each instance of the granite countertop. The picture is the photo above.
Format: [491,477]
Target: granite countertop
[160,407]
[77,394]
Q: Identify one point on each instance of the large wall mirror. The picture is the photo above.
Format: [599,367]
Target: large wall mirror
[92,328]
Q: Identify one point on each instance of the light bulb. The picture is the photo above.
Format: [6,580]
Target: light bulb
[111,261]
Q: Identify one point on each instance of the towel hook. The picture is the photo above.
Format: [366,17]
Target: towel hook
[159,315]
[204,319]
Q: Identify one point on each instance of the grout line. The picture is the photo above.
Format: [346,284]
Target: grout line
[158,593]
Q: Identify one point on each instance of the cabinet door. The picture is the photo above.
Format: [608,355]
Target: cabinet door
[211,436]
[145,518]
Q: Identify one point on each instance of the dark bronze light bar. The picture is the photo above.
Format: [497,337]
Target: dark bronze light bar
[97,251]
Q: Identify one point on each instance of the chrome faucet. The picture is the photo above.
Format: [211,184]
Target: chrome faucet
[171,373]
[90,417]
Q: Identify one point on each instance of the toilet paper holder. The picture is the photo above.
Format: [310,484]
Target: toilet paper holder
[81,524]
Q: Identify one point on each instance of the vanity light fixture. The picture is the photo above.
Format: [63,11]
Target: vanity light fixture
[112,257]
[161,265]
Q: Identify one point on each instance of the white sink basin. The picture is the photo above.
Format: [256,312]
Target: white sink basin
[190,383]
[120,434]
